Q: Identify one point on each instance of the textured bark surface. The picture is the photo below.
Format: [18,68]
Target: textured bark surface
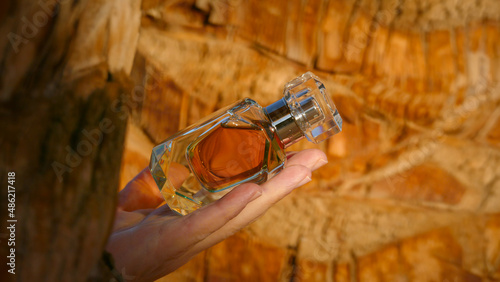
[64,67]
[412,189]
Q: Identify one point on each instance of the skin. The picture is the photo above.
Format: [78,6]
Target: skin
[149,240]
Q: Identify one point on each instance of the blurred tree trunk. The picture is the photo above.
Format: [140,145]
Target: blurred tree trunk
[63,106]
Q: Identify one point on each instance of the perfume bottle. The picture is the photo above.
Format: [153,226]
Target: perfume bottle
[241,143]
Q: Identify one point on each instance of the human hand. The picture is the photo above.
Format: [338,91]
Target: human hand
[149,240]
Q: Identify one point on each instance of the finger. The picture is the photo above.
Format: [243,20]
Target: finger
[274,190]
[281,185]
[225,218]
[125,219]
[197,225]
[177,173]
[140,193]
[297,173]
[290,154]
[143,192]
[310,158]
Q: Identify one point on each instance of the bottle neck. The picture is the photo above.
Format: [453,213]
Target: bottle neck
[282,120]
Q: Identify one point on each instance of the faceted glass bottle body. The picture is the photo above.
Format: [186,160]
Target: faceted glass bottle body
[203,162]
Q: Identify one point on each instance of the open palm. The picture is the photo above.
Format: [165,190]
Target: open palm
[149,240]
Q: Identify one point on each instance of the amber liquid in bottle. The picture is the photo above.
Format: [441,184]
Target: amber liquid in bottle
[231,154]
[228,155]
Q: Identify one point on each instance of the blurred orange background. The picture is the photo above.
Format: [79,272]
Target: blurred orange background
[412,188]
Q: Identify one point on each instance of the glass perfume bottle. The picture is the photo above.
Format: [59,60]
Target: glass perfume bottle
[241,143]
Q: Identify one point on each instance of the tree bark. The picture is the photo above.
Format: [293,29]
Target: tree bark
[64,92]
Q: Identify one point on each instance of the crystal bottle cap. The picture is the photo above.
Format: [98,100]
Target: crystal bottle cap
[312,108]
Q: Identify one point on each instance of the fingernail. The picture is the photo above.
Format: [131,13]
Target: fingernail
[305,180]
[319,163]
